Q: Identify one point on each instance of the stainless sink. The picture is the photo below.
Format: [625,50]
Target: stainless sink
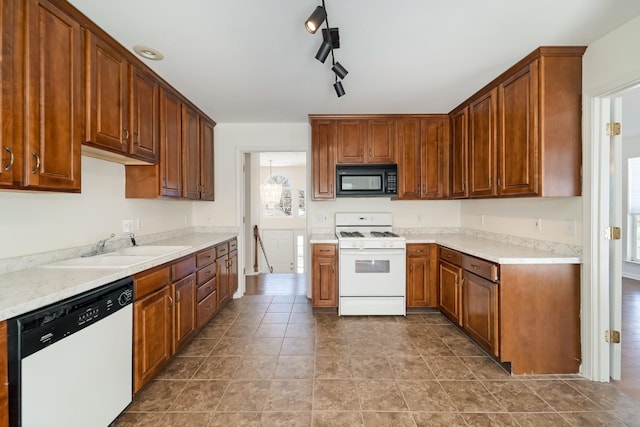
[113,260]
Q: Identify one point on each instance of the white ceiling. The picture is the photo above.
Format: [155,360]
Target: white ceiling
[252,61]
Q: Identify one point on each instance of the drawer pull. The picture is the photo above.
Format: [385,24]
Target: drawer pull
[209,289]
[476,266]
[419,251]
[11,159]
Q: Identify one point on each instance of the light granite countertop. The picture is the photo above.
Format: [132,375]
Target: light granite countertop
[492,250]
[26,290]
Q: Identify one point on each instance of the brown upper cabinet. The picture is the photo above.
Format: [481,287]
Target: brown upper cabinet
[458,163]
[197,149]
[122,103]
[362,140]
[421,144]
[523,130]
[41,118]
[482,145]
[323,158]
[92,97]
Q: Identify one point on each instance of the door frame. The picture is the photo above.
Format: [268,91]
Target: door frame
[596,292]
[240,151]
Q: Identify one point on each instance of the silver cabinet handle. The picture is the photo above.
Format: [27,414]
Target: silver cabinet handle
[126,134]
[361,153]
[10,165]
[35,170]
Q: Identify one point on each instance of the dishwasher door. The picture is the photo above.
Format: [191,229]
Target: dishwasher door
[83,377]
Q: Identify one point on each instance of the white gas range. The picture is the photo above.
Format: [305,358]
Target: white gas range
[372,265]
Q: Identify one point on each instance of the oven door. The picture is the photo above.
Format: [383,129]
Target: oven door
[372,272]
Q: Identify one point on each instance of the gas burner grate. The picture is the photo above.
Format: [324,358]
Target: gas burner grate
[383,234]
[351,234]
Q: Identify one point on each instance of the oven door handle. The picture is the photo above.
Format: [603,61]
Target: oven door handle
[373,252]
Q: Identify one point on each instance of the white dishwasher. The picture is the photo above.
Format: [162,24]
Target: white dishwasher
[70,364]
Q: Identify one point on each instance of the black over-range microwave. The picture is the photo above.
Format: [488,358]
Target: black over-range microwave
[367,180]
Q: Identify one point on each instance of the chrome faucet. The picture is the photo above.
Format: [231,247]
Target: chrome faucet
[101,243]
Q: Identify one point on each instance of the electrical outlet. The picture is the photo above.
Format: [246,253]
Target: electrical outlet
[127,225]
[481,219]
[570,227]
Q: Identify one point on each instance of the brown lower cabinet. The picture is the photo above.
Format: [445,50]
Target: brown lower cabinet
[172,302]
[422,280]
[4,377]
[324,278]
[525,315]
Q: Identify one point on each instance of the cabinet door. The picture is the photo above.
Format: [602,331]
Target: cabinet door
[151,336]
[184,310]
[144,116]
[421,275]
[207,177]
[482,145]
[4,377]
[450,293]
[519,143]
[10,145]
[459,154]
[380,145]
[107,96]
[350,141]
[191,153]
[409,158]
[432,141]
[323,159]
[233,272]
[222,276]
[324,282]
[480,311]
[54,100]
[170,144]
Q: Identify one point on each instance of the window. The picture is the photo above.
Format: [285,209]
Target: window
[279,206]
[633,201]
[302,205]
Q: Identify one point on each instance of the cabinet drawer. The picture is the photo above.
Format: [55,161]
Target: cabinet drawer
[324,250]
[451,256]
[183,268]
[206,309]
[206,289]
[207,273]
[205,257]
[418,250]
[233,245]
[480,267]
[222,249]
[150,281]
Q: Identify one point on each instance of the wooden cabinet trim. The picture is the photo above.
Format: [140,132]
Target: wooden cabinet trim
[183,267]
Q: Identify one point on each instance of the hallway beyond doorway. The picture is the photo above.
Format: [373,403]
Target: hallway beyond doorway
[276,284]
[630,382]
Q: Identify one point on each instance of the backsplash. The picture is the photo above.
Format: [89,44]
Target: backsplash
[8,265]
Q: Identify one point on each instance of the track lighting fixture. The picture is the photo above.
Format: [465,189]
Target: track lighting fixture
[330,42]
[340,71]
[315,20]
[324,51]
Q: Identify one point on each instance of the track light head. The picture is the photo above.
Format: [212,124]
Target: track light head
[315,20]
[339,89]
[323,51]
[340,71]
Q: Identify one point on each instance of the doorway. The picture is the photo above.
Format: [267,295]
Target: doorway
[275,222]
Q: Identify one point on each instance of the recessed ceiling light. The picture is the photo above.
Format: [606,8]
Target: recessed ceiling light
[148,52]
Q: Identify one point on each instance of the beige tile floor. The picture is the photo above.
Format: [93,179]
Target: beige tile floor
[270,361]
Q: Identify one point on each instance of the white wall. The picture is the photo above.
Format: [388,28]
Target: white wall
[561,217]
[630,148]
[36,221]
